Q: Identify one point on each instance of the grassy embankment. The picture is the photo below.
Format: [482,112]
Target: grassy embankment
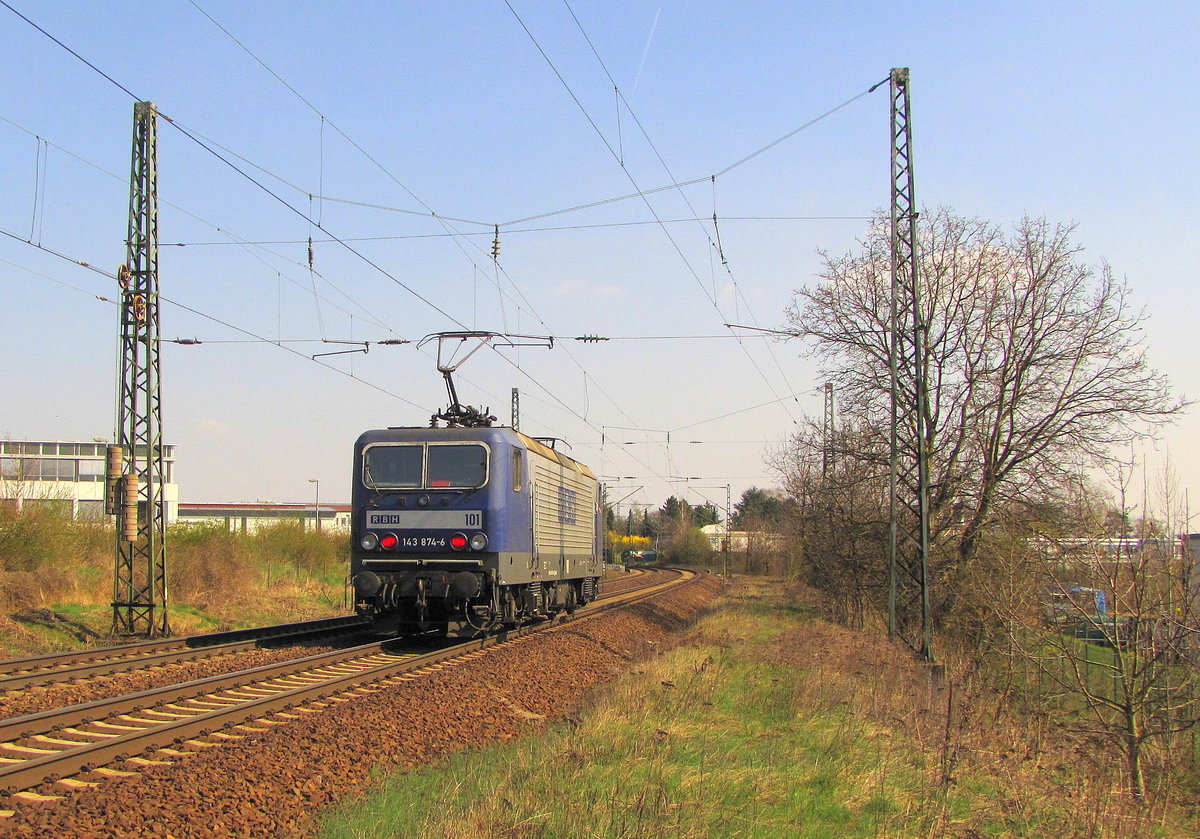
[767,721]
[56,579]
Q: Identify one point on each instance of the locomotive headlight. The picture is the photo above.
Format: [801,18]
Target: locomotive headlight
[389,541]
[478,541]
[369,542]
[459,542]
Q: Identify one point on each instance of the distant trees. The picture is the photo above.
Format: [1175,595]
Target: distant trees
[759,509]
[679,534]
[647,527]
[706,514]
[675,528]
[675,510]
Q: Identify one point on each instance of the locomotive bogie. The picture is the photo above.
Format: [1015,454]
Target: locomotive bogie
[465,529]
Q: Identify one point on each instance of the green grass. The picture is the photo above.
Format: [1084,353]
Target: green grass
[732,746]
[767,722]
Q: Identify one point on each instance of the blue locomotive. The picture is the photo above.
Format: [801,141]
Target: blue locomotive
[465,529]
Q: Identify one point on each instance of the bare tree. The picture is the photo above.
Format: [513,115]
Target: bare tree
[1110,626]
[837,484]
[1035,366]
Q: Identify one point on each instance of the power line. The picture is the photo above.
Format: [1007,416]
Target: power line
[263,339]
[394,279]
[620,162]
[796,131]
[671,175]
[195,311]
[68,49]
[197,138]
[485,233]
[443,221]
[741,411]
[315,224]
[57,281]
[641,193]
[431,214]
[233,238]
[209,148]
[54,252]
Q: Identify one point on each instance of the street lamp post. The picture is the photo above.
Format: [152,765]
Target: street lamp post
[317,503]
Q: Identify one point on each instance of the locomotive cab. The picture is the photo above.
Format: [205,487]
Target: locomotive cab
[461,530]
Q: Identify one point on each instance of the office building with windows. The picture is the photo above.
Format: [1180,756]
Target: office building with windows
[68,476]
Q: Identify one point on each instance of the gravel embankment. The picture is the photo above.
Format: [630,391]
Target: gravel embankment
[276,783]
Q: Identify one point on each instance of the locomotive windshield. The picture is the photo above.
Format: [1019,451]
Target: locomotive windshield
[457,466]
[393,466]
[432,466]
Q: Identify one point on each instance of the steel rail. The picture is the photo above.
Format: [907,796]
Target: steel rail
[45,722]
[50,660]
[231,710]
[98,662]
[57,765]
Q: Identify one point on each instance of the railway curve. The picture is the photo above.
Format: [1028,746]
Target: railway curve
[77,748]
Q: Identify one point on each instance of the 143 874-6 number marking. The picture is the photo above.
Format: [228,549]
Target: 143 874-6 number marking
[423,542]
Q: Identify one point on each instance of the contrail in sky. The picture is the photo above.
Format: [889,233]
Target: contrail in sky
[646,51]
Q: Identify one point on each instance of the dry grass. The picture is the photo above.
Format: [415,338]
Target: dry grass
[992,767]
[217,580]
[768,721]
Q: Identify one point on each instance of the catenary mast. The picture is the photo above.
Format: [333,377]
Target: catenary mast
[140,573]
[909,615]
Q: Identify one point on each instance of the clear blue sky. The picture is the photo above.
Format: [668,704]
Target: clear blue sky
[1080,112]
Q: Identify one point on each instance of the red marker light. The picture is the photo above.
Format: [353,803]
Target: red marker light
[389,541]
[458,542]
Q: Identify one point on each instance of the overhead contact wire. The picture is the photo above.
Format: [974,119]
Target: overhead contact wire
[710,295]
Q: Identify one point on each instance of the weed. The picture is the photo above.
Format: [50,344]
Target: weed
[217,579]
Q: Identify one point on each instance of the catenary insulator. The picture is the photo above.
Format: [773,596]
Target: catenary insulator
[114,465]
[128,519]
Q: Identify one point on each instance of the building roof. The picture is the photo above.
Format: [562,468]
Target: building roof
[258,508]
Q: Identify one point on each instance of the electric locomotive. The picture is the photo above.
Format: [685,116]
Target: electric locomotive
[462,530]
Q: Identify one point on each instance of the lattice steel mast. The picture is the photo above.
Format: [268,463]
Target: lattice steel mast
[140,574]
[909,615]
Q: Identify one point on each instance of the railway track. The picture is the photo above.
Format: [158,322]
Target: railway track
[17,674]
[77,746]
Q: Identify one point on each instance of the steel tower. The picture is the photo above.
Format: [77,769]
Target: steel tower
[140,573]
[909,615]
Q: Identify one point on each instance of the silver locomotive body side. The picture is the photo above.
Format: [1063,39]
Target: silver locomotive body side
[566,516]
